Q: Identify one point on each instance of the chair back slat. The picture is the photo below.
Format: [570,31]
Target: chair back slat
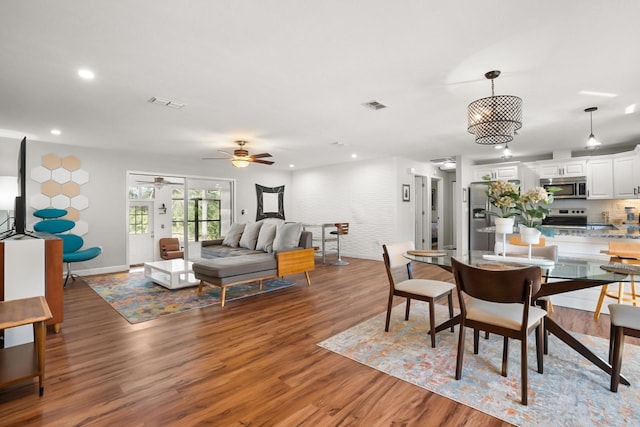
[501,286]
[342,228]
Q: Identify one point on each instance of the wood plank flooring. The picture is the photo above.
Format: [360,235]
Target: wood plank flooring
[254,362]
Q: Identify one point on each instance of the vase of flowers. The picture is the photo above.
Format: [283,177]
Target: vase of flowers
[532,209]
[504,196]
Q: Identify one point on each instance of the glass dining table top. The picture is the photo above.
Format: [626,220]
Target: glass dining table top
[566,268]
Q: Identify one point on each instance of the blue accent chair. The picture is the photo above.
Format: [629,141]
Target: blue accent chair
[71,243]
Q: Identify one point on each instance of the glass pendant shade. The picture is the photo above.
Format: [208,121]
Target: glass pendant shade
[240,162]
[592,142]
[495,119]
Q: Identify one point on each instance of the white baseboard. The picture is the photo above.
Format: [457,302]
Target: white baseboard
[93,271]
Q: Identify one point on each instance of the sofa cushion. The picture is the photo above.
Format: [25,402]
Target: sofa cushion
[233,236]
[265,237]
[250,235]
[234,266]
[287,236]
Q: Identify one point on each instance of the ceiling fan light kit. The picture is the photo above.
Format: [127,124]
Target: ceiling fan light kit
[241,157]
[495,119]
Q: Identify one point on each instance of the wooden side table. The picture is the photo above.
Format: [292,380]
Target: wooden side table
[27,360]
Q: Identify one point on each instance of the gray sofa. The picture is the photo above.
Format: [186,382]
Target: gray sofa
[225,266]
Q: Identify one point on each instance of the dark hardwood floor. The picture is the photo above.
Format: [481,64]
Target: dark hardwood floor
[254,362]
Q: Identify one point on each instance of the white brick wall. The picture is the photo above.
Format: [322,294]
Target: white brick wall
[365,194]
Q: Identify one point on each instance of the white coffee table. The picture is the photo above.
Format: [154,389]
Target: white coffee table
[171,273]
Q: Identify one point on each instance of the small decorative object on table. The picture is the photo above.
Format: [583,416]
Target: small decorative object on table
[531,208]
[504,196]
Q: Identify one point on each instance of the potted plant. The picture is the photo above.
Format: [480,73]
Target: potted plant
[531,207]
[504,196]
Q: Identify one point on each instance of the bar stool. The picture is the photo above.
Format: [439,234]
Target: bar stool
[625,321]
[342,229]
[625,253]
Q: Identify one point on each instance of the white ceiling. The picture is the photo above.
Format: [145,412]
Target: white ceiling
[291,76]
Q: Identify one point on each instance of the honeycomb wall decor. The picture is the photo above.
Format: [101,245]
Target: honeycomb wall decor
[61,180]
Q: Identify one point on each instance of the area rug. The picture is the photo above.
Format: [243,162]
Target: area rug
[138,299]
[571,392]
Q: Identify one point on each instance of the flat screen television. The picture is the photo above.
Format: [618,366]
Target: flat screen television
[20,207]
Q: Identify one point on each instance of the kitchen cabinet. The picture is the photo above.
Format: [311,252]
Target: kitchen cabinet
[600,178]
[494,172]
[555,169]
[625,177]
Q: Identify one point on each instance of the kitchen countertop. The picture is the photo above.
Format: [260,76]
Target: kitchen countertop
[620,232]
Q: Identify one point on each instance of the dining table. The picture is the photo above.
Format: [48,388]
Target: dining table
[565,274]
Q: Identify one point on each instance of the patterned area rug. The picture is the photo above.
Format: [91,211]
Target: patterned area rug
[571,392]
[138,299]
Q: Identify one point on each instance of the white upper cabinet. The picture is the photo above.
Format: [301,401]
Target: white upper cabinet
[625,177]
[600,178]
[494,172]
[555,169]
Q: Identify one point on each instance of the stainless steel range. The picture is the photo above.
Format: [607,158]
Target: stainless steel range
[566,218]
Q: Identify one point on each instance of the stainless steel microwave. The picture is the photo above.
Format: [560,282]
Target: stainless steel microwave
[570,188]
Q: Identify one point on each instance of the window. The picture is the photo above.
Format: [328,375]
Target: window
[138,219]
[203,214]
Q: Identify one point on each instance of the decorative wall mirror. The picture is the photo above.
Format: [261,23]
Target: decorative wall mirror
[270,202]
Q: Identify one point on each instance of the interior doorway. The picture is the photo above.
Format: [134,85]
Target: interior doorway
[429,216]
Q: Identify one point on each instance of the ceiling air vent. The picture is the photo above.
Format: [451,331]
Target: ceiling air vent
[374,105]
[165,102]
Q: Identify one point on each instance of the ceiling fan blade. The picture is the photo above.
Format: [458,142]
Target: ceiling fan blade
[216,158]
[261,155]
[225,152]
[264,162]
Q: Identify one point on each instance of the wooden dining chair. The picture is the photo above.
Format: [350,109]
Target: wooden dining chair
[625,253]
[499,301]
[403,284]
[625,321]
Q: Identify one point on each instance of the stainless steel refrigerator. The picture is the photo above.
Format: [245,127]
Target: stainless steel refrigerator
[478,203]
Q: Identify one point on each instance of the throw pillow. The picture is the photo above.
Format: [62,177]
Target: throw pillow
[250,235]
[287,236]
[233,236]
[265,237]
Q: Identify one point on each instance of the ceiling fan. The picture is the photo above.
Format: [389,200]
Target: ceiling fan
[241,158]
[159,182]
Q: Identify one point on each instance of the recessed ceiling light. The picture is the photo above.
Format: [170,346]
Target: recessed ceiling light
[55,131]
[86,74]
[354,155]
[630,109]
[292,165]
[594,93]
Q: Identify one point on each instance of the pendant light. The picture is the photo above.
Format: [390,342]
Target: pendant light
[592,142]
[495,119]
[506,154]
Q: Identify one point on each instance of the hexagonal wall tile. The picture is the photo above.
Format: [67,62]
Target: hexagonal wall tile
[51,161]
[71,163]
[81,228]
[61,175]
[72,214]
[60,201]
[80,202]
[50,188]
[40,174]
[40,201]
[80,176]
[70,189]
